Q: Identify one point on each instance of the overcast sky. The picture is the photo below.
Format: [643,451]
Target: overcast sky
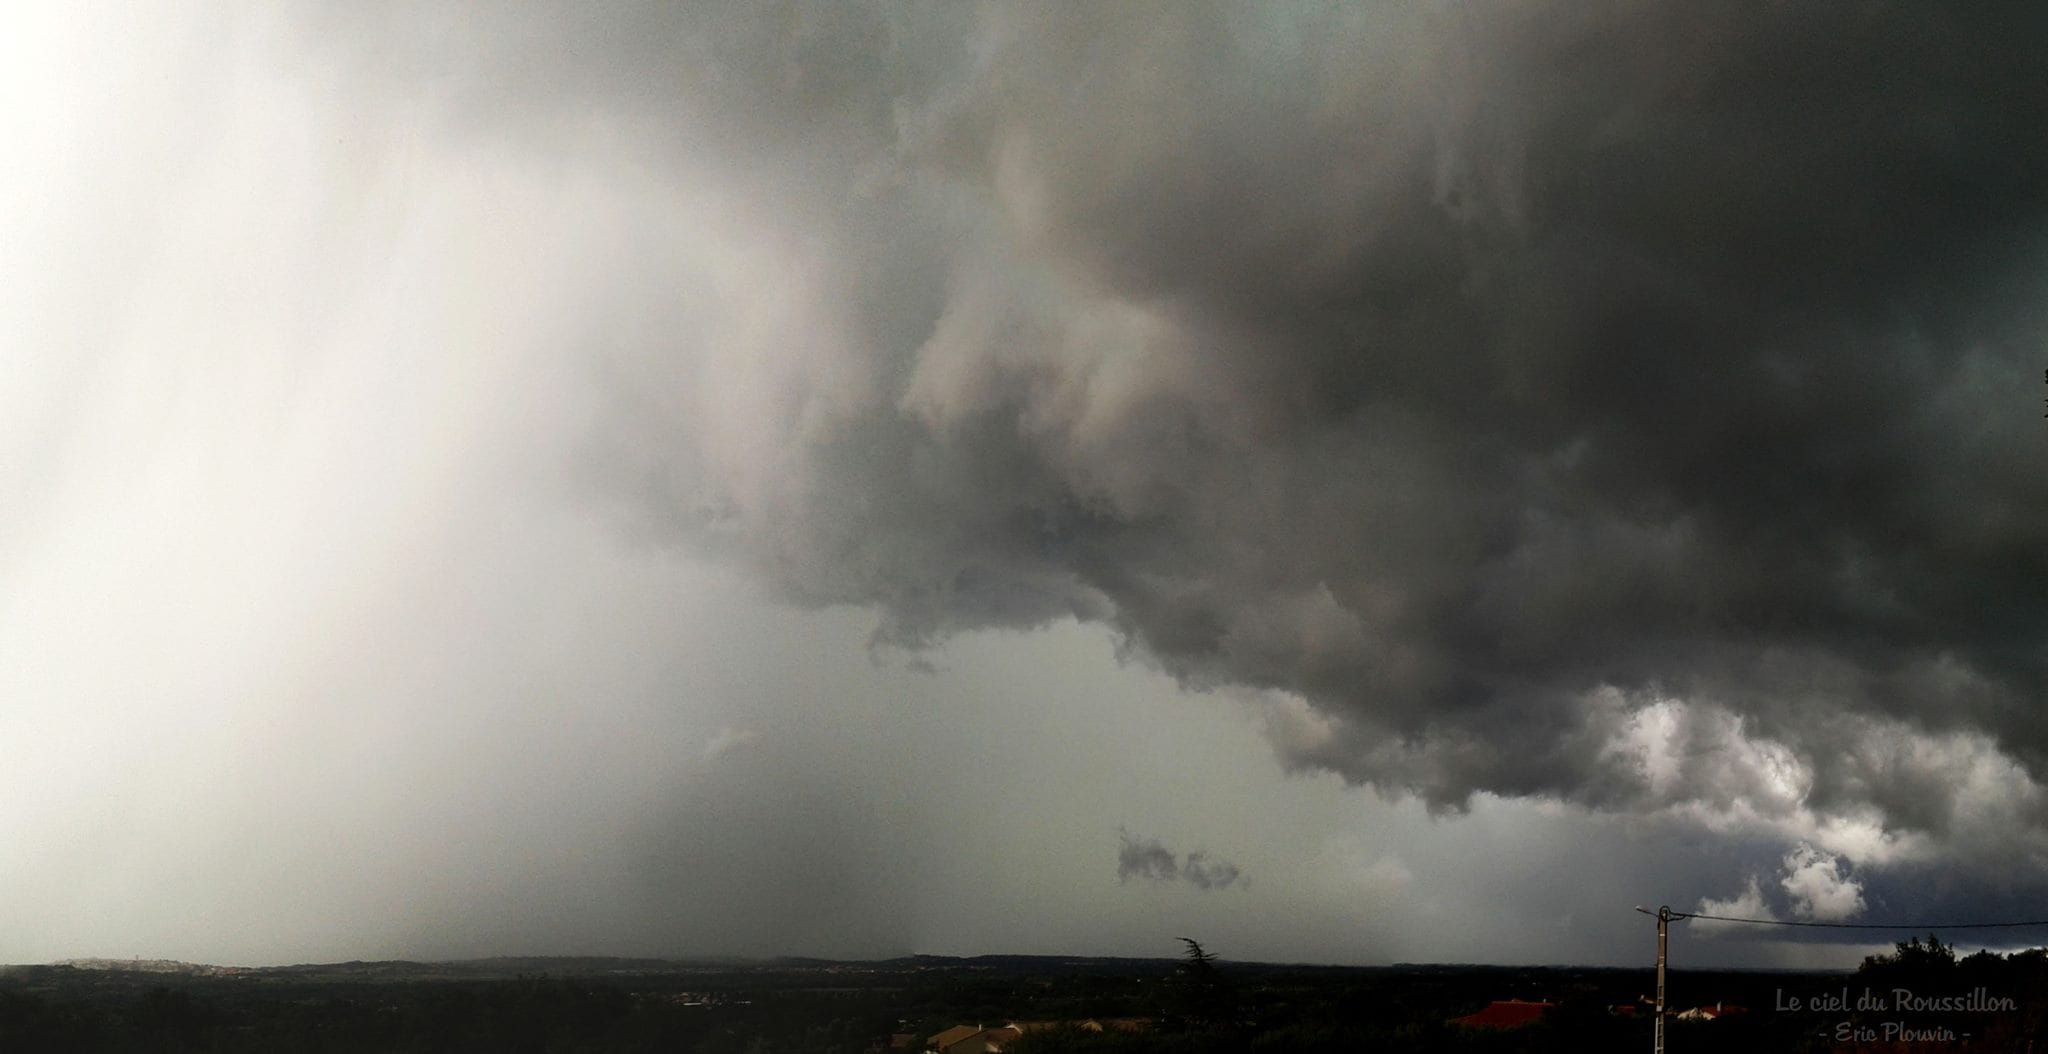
[1369,483]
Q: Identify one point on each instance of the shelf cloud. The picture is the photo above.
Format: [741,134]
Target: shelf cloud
[1491,382]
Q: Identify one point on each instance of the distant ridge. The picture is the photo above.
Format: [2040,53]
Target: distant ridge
[585,964]
[171,966]
[508,966]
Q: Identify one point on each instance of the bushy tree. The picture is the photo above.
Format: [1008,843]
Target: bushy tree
[1914,958]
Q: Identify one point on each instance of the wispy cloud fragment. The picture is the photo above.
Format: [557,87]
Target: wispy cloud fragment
[1149,859]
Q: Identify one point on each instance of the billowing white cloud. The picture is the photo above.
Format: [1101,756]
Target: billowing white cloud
[1746,904]
[1820,887]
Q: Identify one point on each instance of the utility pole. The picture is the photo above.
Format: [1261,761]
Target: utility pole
[1663,942]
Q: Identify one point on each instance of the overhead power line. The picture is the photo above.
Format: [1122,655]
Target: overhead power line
[1867,925]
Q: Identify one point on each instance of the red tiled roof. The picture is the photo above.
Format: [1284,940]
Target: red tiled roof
[1505,1013]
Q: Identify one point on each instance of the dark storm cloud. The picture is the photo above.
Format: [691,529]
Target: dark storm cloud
[1148,859]
[1453,369]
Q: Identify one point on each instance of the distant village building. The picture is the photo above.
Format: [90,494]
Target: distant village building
[1506,1013]
[973,1039]
[1710,1013]
[944,1041]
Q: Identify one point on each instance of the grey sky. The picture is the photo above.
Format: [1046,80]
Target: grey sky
[1392,482]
